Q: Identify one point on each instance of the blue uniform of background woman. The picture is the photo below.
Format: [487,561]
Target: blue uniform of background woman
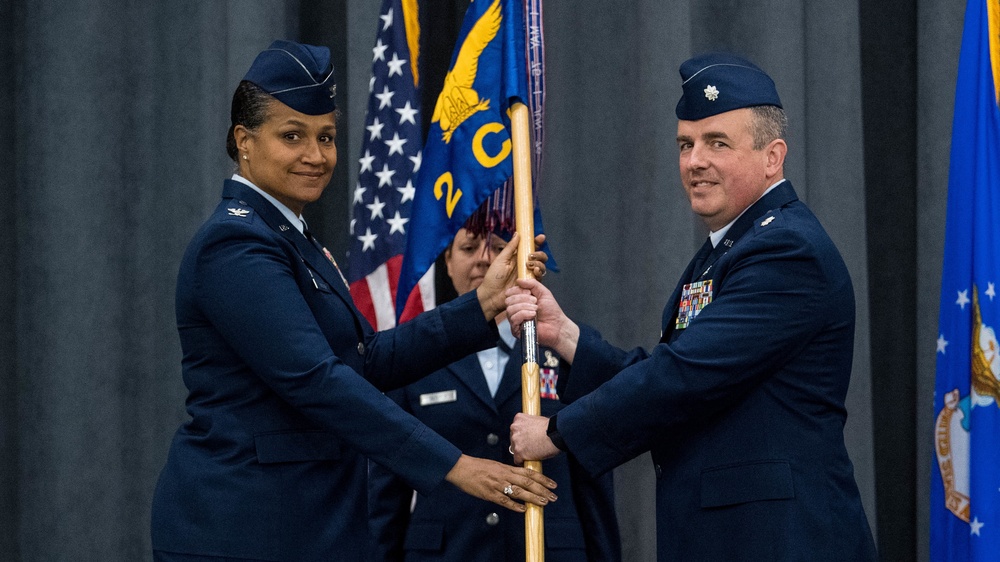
[472,403]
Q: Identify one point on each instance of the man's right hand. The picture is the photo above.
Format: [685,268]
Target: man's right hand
[530,300]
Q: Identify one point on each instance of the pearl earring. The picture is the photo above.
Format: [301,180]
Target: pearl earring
[245,157]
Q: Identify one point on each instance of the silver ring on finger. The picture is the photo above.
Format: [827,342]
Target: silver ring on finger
[508,490]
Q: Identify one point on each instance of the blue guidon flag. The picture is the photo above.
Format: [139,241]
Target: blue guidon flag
[467,155]
[965,486]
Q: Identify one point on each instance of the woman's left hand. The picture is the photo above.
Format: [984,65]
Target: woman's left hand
[501,484]
[503,272]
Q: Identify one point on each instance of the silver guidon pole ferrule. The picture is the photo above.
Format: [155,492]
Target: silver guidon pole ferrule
[529,342]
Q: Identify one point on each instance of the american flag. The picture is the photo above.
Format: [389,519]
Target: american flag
[390,159]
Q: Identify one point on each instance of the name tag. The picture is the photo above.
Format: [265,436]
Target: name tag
[442,397]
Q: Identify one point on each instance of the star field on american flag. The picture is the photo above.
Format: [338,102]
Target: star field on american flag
[390,159]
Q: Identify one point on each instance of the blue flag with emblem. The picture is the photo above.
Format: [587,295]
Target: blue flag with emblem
[467,155]
[965,486]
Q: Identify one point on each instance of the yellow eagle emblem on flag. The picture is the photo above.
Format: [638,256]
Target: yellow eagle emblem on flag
[951,436]
[459,100]
[985,356]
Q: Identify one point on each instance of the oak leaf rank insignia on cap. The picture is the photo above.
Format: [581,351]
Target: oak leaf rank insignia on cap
[715,83]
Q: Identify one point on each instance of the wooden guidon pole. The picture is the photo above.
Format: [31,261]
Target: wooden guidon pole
[534,530]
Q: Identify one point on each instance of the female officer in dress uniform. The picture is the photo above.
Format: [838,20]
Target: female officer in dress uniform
[284,374]
[472,403]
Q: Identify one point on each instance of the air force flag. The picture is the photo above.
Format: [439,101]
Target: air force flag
[965,486]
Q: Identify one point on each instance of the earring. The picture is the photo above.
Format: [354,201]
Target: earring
[245,157]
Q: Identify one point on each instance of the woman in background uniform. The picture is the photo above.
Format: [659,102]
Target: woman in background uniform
[472,403]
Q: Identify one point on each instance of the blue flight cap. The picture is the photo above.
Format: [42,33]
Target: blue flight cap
[718,82]
[298,75]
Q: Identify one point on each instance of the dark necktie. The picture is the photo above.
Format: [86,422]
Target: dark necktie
[700,258]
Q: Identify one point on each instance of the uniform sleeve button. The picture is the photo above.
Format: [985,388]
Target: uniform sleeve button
[492,519]
[492,439]
[361,348]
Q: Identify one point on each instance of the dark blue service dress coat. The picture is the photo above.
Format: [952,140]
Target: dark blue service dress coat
[284,378]
[447,525]
[743,409]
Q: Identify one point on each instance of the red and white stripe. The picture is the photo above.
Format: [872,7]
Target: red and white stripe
[375,295]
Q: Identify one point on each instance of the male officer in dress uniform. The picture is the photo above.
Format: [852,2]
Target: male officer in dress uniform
[742,402]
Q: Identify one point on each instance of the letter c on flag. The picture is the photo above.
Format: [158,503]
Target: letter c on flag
[477,145]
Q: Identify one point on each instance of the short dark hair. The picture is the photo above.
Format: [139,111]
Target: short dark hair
[769,122]
[250,104]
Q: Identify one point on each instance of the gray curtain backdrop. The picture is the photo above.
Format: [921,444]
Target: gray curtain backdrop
[114,115]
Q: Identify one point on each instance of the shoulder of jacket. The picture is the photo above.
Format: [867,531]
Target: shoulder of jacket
[233,221]
[232,210]
[771,220]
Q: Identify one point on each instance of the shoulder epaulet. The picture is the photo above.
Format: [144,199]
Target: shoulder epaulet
[768,220]
[239,211]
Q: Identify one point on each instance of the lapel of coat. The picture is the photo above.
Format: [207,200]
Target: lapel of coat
[470,373]
[310,254]
[667,327]
[778,197]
